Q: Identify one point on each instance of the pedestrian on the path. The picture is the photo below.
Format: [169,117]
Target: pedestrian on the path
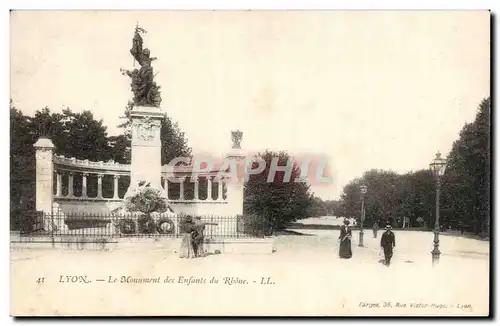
[375,229]
[345,240]
[388,242]
[199,236]
[188,230]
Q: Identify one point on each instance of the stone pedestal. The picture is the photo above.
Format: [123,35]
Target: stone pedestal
[146,146]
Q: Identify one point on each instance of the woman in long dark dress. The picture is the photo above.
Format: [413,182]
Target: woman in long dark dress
[345,241]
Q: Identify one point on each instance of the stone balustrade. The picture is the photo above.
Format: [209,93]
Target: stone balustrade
[73,163]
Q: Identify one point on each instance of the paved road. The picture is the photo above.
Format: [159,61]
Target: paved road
[305,277]
[416,244]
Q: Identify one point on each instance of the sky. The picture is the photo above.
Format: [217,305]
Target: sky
[383,90]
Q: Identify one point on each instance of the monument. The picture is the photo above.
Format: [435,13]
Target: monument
[146,117]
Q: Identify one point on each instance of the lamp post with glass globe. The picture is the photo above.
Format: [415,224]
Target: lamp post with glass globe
[363,190]
[437,166]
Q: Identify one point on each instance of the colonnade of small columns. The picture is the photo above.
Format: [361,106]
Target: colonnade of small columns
[220,180]
[84,175]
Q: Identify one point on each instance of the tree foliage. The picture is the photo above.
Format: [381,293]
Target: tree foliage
[276,203]
[390,196]
[465,194]
[73,134]
[466,184]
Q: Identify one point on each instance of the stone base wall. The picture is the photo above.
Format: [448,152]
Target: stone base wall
[202,208]
[168,245]
[212,212]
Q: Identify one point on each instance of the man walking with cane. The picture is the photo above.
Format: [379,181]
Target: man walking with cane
[388,242]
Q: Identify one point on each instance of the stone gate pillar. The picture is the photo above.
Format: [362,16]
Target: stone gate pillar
[235,182]
[146,145]
[44,174]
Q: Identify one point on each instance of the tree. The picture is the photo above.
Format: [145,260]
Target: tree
[22,186]
[73,134]
[120,149]
[466,183]
[82,137]
[390,196]
[382,200]
[275,204]
[173,141]
[333,207]
[420,200]
[465,195]
[317,208]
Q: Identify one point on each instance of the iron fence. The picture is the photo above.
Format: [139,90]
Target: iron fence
[134,225]
[27,222]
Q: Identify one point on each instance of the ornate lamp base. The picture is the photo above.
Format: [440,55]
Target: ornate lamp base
[435,256]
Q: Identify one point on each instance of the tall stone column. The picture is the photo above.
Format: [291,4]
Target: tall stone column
[44,174]
[146,146]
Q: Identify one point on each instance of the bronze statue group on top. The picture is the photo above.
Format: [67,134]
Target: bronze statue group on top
[144,88]
[147,93]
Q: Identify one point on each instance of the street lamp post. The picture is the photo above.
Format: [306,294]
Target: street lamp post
[363,189]
[437,166]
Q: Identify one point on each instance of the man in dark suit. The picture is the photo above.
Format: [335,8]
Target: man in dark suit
[388,242]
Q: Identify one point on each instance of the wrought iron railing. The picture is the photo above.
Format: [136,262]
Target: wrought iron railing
[135,225]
